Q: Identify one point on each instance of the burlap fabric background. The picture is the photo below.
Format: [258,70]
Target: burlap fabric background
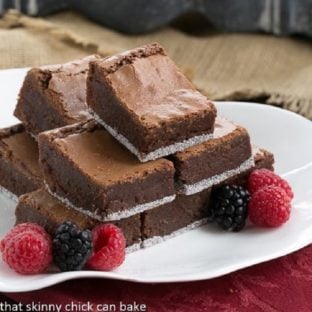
[252,67]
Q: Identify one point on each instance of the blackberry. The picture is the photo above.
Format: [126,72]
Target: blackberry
[71,247]
[229,207]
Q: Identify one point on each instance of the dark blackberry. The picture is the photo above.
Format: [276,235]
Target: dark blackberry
[71,246]
[229,207]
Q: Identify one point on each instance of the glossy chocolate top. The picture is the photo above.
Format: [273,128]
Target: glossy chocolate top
[100,156]
[68,81]
[150,85]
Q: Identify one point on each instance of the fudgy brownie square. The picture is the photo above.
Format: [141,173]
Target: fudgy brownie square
[204,165]
[147,104]
[85,166]
[19,168]
[54,96]
[42,208]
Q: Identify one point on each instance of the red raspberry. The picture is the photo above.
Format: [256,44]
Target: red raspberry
[269,206]
[109,246]
[22,227]
[29,252]
[263,177]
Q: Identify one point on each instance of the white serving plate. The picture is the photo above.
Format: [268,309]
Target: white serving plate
[205,252]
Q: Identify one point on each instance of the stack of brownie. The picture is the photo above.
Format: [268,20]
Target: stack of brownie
[125,139]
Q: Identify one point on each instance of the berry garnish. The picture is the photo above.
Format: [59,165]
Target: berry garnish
[27,249]
[264,177]
[22,227]
[71,246]
[269,206]
[109,248]
[229,207]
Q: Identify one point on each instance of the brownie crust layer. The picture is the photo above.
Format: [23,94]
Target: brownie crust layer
[85,165]
[54,96]
[19,168]
[144,100]
[42,208]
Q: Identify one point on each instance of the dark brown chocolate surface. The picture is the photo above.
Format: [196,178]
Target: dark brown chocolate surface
[19,168]
[54,96]
[262,158]
[89,167]
[41,208]
[145,97]
[171,217]
[229,148]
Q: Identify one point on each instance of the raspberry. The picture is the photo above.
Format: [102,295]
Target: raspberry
[269,206]
[109,248]
[263,177]
[20,228]
[28,252]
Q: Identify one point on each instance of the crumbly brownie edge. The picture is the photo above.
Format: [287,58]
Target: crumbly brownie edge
[158,153]
[264,159]
[33,106]
[128,57]
[76,128]
[48,106]
[9,131]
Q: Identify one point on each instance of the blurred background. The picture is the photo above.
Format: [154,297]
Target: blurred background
[245,50]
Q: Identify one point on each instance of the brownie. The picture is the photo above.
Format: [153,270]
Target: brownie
[54,96]
[184,213]
[85,165]
[263,159]
[188,212]
[146,103]
[146,228]
[42,208]
[19,168]
[227,154]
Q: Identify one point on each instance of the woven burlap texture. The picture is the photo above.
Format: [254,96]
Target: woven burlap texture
[251,67]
